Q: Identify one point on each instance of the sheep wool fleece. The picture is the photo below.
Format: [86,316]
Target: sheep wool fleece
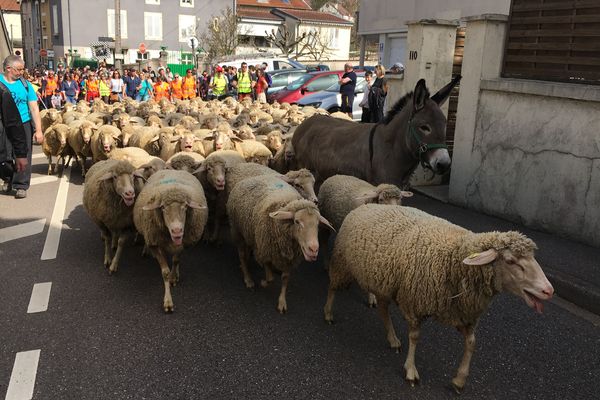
[414,258]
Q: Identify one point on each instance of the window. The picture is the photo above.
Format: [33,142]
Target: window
[187,27]
[153,2]
[186,3]
[111,23]
[186,58]
[334,38]
[141,56]
[55,19]
[322,82]
[152,26]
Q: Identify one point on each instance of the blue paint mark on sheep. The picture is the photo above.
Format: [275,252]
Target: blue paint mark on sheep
[170,181]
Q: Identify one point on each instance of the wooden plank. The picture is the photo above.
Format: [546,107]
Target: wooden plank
[594,61]
[561,19]
[555,6]
[555,46]
[554,33]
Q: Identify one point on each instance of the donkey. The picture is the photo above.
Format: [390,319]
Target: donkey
[388,152]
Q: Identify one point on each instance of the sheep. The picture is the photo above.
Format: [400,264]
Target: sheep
[79,139]
[245,132]
[185,161]
[430,267]
[55,144]
[273,140]
[255,152]
[283,160]
[171,214]
[341,115]
[108,197]
[219,140]
[50,117]
[270,219]
[104,140]
[71,116]
[188,141]
[146,138]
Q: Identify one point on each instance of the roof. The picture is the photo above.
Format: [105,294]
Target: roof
[296,4]
[10,5]
[313,16]
[253,13]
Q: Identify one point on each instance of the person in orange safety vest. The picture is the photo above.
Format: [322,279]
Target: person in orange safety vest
[189,85]
[49,86]
[177,87]
[162,89]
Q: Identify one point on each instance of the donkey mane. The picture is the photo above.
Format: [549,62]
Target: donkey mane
[398,107]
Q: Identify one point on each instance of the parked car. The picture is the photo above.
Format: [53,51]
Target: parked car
[306,84]
[272,63]
[364,68]
[330,99]
[317,67]
[282,77]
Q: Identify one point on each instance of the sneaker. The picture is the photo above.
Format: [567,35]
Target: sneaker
[6,187]
[21,194]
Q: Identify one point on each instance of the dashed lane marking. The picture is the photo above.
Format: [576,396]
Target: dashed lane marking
[43,179]
[56,222]
[22,230]
[40,296]
[23,375]
[38,155]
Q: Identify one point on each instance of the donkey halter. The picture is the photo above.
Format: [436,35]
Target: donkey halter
[423,147]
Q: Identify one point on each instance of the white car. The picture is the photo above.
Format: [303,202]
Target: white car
[330,99]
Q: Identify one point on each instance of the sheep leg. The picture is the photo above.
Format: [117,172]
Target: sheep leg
[412,375]
[384,313]
[164,269]
[282,303]
[82,164]
[463,370]
[50,167]
[174,276]
[268,277]
[115,240]
[372,300]
[244,254]
[105,233]
[329,305]
[122,238]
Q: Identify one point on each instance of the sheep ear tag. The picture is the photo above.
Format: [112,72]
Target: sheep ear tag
[483,258]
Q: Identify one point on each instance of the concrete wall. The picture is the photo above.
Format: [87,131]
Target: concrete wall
[528,151]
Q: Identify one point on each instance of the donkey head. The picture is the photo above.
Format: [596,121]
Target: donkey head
[427,127]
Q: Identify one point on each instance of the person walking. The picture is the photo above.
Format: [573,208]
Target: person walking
[131,81]
[117,87]
[177,87]
[26,101]
[347,86]
[104,87]
[244,83]
[161,89]
[91,84]
[189,85]
[145,91]
[219,83]
[261,86]
[377,94]
[49,86]
[70,89]
[364,103]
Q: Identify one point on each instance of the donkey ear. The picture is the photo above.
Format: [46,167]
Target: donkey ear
[444,93]
[420,96]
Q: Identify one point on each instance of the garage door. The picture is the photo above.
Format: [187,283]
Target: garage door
[397,50]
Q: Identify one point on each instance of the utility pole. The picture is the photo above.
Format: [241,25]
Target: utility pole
[118,55]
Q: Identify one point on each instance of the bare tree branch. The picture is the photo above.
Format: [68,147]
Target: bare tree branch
[221,35]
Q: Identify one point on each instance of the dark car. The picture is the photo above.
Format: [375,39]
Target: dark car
[317,67]
[306,84]
[282,77]
[364,68]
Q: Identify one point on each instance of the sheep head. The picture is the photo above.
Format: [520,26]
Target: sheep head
[122,184]
[304,183]
[384,194]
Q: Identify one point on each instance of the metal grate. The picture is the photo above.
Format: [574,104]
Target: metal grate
[554,40]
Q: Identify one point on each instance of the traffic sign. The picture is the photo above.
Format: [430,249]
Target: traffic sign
[142,48]
[192,42]
[43,53]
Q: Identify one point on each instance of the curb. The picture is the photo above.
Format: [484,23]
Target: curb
[575,290]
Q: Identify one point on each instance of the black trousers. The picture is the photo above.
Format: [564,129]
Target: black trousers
[366,115]
[347,101]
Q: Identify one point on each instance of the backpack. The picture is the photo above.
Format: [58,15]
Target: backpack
[6,150]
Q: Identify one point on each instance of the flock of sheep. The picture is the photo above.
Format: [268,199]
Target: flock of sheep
[175,173]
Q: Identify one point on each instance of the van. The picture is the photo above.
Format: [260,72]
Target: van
[272,63]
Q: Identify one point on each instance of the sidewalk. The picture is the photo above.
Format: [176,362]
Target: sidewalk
[573,268]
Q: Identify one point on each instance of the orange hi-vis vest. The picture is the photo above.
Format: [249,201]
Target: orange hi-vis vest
[161,90]
[92,86]
[51,86]
[177,88]
[189,88]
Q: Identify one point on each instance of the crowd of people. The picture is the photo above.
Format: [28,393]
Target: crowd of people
[69,85]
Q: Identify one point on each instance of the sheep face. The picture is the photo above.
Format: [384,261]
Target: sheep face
[174,214]
[122,185]
[274,142]
[304,229]
[304,183]
[186,142]
[288,151]
[215,174]
[53,115]
[87,130]
[520,275]
[108,141]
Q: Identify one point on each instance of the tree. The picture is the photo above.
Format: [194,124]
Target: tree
[284,40]
[315,45]
[312,44]
[221,35]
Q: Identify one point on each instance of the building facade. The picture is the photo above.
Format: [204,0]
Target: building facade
[78,26]
[11,15]
[384,21]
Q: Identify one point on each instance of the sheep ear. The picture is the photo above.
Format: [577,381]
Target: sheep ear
[286,179]
[202,168]
[150,207]
[406,193]
[106,176]
[155,138]
[483,258]
[211,137]
[367,197]
[138,173]
[326,223]
[193,204]
[175,138]
[282,214]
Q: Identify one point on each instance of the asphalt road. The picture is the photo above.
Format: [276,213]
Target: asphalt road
[106,337]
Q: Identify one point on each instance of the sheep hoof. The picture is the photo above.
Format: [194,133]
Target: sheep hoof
[264,283]
[458,388]
[282,308]
[249,284]
[330,321]
[168,308]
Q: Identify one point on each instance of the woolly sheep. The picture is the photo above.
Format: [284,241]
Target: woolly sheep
[430,267]
[79,139]
[269,219]
[273,140]
[185,161]
[146,138]
[108,197]
[50,117]
[104,140]
[55,144]
[341,115]
[283,160]
[255,152]
[171,214]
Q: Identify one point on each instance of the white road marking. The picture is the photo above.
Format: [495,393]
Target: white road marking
[23,375]
[40,296]
[38,155]
[56,222]
[22,230]
[43,179]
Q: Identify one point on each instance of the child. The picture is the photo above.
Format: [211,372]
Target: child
[56,100]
